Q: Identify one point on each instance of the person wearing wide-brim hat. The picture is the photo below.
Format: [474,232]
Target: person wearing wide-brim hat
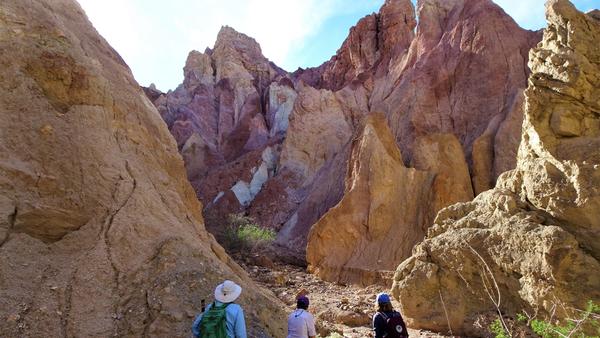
[225,296]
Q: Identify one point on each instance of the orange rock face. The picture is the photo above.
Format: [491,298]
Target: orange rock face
[380,217]
[453,109]
[100,232]
[386,207]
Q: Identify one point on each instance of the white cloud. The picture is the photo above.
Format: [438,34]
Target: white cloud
[154,36]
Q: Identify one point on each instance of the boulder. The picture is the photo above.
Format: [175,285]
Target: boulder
[380,217]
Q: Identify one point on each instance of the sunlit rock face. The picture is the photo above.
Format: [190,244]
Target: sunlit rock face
[101,234]
[452,84]
[537,231]
[452,88]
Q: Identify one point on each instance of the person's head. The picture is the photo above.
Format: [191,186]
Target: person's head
[384,302]
[302,302]
[227,292]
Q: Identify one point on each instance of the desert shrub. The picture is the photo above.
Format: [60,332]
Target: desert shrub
[243,233]
[581,324]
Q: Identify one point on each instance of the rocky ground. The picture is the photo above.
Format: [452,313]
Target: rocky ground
[342,309]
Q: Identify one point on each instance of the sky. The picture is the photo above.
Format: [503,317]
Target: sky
[154,37]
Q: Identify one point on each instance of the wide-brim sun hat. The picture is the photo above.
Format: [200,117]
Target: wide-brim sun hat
[227,292]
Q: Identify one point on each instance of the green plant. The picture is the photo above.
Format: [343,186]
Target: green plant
[253,233]
[580,324]
[242,233]
[587,323]
[498,330]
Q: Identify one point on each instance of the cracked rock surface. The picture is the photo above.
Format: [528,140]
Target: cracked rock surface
[100,232]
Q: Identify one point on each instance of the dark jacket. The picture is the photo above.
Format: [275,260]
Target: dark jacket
[380,323]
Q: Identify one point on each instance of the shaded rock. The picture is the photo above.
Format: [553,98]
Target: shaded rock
[352,319]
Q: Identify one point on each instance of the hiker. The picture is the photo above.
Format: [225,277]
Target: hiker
[301,324]
[223,318]
[387,322]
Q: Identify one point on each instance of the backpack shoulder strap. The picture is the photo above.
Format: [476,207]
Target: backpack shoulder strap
[383,315]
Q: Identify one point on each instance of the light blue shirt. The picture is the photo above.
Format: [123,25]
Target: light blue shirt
[234,315]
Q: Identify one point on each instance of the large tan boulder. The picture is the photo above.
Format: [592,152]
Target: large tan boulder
[100,232]
[536,234]
[386,206]
[379,219]
[442,155]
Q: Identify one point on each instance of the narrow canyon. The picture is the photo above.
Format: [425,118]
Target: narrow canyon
[443,151]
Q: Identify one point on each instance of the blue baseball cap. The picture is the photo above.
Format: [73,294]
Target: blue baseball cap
[383,298]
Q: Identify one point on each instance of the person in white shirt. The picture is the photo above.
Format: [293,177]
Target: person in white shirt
[301,324]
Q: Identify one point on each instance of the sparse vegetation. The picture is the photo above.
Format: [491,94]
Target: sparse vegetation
[581,324]
[243,233]
[498,330]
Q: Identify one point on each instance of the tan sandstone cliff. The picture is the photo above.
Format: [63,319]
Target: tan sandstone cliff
[538,231]
[100,232]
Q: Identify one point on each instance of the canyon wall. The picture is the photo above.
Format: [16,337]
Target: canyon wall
[101,234]
[536,234]
[451,93]
[277,145]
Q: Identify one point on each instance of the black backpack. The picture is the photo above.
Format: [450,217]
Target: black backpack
[395,326]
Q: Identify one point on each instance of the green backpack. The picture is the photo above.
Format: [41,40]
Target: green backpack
[214,323]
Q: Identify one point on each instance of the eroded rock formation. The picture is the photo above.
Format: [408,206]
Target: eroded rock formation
[453,86]
[100,232]
[386,207]
[537,232]
[431,91]
[380,217]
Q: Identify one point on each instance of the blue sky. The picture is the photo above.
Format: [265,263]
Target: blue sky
[155,36]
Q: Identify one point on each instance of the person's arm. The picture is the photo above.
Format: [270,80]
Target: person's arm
[310,324]
[196,326]
[240,324]
[379,325]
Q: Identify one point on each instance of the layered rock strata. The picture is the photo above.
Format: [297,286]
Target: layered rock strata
[536,234]
[100,232]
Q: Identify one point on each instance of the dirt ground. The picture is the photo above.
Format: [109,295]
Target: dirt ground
[345,310]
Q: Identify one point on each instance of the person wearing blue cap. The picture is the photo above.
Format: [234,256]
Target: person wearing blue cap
[387,322]
[301,324]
